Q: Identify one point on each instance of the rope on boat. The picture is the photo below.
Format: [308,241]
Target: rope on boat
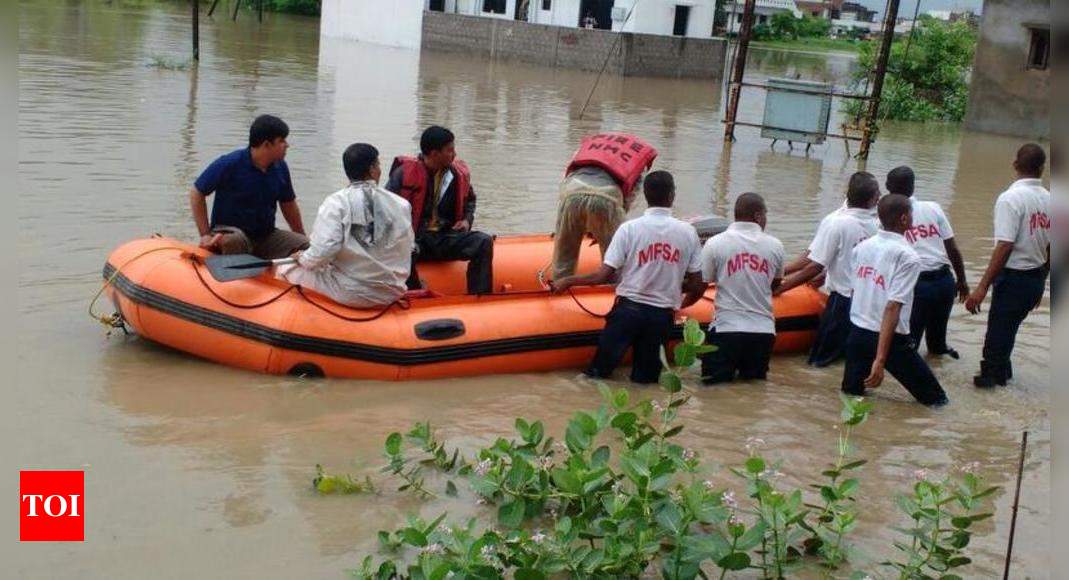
[115,320]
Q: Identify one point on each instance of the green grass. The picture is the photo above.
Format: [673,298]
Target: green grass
[813,44]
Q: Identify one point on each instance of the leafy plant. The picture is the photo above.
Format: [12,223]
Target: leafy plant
[619,497]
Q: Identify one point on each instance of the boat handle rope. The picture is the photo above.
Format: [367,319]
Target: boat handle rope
[115,320]
[196,270]
[401,303]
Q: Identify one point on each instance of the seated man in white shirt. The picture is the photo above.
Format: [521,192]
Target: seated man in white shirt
[659,260]
[885,273]
[933,239]
[360,249]
[829,254]
[1019,264]
[746,264]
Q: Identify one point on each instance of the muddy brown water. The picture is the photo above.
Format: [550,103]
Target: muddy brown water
[198,470]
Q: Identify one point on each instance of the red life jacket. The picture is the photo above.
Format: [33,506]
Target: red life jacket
[625,157]
[416,184]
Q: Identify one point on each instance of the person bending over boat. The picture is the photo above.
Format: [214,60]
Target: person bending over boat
[885,272]
[249,185]
[596,194]
[829,254]
[746,264]
[438,186]
[659,260]
[361,244]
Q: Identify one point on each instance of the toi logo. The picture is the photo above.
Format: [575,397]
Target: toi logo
[51,506]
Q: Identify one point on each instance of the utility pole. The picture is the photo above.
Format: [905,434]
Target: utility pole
[196,30]
[869,129]
[739,67]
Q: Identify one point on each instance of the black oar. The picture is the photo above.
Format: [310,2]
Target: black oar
[239,266]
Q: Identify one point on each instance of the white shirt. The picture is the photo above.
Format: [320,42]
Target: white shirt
[360,250]
[652,254]
[871,213]
[836,237]
[885,269]
[930,229]
[743,261]
[1022,216]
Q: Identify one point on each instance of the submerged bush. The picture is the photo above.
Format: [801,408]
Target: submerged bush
[587,507]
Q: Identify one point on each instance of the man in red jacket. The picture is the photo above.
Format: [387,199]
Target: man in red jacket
[438,186]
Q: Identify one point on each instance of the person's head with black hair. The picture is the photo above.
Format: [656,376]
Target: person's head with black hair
[438,146]
[1031,158]
[267,138]
[750,207]
[361,162]
[896,213]
[863,190]
[901,181]
[659,188]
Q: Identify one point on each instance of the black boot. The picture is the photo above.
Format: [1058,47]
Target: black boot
[990,376]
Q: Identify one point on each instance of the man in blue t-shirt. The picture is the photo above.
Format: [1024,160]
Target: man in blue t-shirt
[249,185]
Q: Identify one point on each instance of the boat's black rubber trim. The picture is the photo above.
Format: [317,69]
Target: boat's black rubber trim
[377,354]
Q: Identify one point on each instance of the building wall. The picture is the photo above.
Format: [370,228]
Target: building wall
[560,13]
[634,54]
[1005,96]
[658,17]
[394,23]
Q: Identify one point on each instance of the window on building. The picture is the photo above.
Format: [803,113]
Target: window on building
[437,5]
[494,6]
[1039,50]
[682,20]
[547,4]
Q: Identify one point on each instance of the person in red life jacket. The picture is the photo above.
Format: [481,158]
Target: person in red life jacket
[658,259]
[885,269]
[438,187]
[596,194]
[933,239]
[1019,264]
[746,264]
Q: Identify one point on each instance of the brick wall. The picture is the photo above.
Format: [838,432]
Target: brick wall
[633,54]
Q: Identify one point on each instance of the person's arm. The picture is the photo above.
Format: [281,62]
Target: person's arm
[797,264]
[198,206]
[693,288]
[464,224]
[328,235]
[958,264]
[292,213]
[883,348]
[602,275]
[808,272]
[999,257]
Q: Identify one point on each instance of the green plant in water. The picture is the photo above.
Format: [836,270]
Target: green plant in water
[618,497]
[169,63]
[326,484]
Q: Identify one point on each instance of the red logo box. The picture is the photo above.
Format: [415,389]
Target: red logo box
[52,506]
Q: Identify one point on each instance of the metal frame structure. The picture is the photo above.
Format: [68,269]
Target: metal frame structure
[868,128]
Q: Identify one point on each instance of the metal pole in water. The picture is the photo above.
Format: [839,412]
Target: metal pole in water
[1016,503]
[196,30]
[890,19]
[739,68]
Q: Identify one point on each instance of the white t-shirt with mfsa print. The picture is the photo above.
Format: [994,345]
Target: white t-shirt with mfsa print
[1022,216]
[885,269]
[836,237]
[653,253]
[930,230]
[743,261]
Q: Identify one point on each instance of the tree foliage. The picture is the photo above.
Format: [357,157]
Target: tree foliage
[927,78]
[784,26]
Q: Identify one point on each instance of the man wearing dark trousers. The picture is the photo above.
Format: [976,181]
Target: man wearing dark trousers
[933,239]
[746,264]
[250,184]
[829,254]
[886,269]
[1019,264]
[658,259]
[438,187]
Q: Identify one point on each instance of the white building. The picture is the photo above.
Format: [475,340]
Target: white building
[693,18]
[763,12]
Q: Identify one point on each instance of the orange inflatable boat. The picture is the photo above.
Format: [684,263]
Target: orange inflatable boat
[162,289]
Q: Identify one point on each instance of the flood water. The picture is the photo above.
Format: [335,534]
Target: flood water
[198,470]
